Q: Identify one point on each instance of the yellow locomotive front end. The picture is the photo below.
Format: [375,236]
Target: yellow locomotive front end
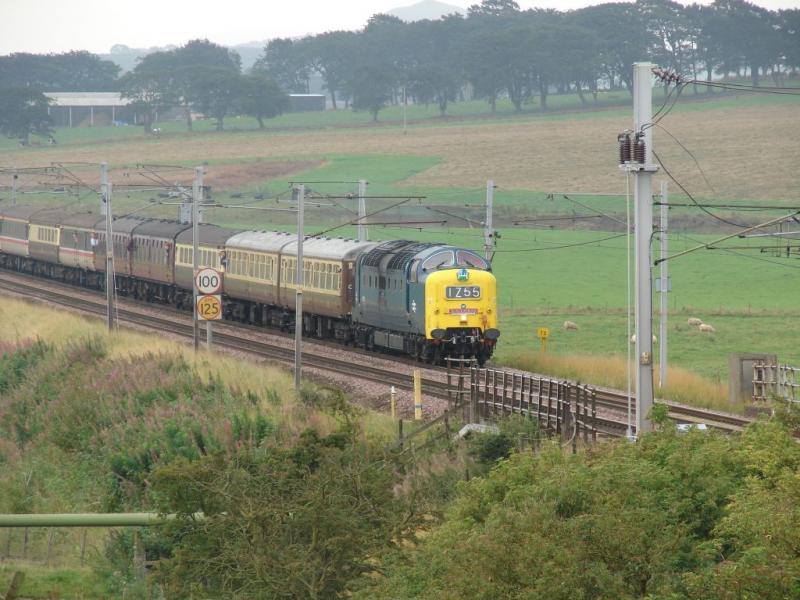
[461,312]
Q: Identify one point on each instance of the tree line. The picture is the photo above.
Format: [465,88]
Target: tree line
[498,50]
[495,51]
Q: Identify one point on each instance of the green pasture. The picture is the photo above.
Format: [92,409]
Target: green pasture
[750,298]
[560,106]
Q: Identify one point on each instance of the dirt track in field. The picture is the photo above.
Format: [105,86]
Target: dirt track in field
[746,152]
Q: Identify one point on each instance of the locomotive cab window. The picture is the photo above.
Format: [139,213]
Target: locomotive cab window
[440,260]
[470,260]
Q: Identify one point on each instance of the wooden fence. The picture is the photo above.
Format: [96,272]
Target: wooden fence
[483,395]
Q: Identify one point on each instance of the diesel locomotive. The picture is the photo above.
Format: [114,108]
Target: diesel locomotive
[430,301]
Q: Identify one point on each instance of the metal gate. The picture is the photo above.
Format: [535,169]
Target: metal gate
[776,381]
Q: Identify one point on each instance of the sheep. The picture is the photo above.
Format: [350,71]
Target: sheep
[633,339]
[706,328]
[694,322]
[570,325]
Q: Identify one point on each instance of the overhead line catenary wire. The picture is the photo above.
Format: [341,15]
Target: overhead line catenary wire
[607,216]
[689,152]
[685,191]
[747,256]
[589,242]
[753,89]
[355,221]
[455,216]
[656,118]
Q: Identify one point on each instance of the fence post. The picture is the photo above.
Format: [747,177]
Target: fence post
[594,415]
[417,395]
[16,584]
[83,546]
[400,433]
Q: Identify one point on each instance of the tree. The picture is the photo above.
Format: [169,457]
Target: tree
[334,54]
[494,8]
[68,72]
[288,63]
[790,37]
[151,86]
[624,38]
[262,98]
[23,111]
[748,38]
[371,88]
[434,83]
[199,53]
[297,522]
[214,91]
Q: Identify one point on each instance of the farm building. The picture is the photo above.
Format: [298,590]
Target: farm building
[85,109]
[306,102]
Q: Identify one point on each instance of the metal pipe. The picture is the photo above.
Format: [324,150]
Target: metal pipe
[362,210]
[88,519]
[14,179]
[105,190]
[664,277]
[488,234]
[298,310]
[197,192]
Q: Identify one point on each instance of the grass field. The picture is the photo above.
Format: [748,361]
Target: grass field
[748,146]
[748,149]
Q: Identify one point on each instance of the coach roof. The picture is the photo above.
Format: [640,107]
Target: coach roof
[210,235]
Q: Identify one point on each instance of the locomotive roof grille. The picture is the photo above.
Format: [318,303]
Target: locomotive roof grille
[401,260]
[374,256]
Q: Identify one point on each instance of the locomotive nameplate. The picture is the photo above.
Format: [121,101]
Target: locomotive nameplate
[463,292]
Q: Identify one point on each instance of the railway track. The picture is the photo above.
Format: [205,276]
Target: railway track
[387,377]
[612,400]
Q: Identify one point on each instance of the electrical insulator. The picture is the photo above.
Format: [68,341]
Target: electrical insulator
[639,150]
[624,140]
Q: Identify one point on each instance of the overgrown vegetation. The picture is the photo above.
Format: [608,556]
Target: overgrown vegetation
[300,500]
[697,515]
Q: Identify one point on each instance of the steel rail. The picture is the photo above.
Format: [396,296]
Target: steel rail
[614,400]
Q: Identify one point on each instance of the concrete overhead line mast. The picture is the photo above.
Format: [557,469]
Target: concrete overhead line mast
[635,156]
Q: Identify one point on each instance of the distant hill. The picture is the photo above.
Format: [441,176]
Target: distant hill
[126,56]
[426,9]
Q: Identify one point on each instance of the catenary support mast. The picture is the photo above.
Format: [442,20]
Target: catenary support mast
[664,284]
[643,218]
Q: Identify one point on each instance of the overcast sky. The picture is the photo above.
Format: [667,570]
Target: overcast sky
[41,26]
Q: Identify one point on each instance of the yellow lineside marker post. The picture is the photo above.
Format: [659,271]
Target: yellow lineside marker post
[417,395]
[393,402]
[543,333]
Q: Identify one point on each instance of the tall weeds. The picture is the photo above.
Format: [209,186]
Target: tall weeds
[610,371]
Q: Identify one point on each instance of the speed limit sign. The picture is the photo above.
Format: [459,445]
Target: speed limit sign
[208,281]
[209,308]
